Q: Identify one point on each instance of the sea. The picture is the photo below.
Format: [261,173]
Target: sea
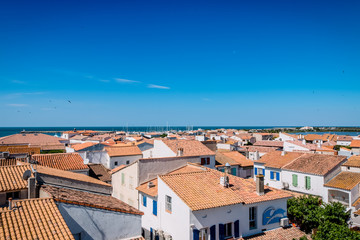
[56,131]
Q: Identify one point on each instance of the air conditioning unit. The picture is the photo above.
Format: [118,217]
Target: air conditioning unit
[284,222]
[285,185]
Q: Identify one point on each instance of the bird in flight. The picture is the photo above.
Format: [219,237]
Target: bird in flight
[69,101]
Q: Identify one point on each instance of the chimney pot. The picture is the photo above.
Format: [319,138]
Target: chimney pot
[260,184]
[10,203]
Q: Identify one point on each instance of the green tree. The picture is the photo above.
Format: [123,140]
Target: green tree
[305,212]
[329,230]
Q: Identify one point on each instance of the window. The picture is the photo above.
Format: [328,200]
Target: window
[228,230]
[202,161]
[295,180]
[155,207]
[144,200]
[127,162]
[222,170]
[233,171]
[131,186]
[256,171]
[203,235]
[115,163]
[252,218]
[208,161]
[307,183]
[272,175]
[275,176]
[13,195]
[122,178]
[168,203]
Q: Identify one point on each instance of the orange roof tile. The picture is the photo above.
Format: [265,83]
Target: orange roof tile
[190,147]
[33,219]
[100,172]
[34,140]
[317,164]
[277,160]
[27,150]
[353,161]
[78,147]
[192,187]
[63,161]
[278,234]
[355,143]
[153,191]
[89,199]
[233,158]
[344,180]
[11,178]
[129,150]
[269,143]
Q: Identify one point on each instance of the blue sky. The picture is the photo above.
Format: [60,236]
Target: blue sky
[141,63]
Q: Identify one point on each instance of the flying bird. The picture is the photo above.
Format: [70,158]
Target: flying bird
[69,101]
[343,71]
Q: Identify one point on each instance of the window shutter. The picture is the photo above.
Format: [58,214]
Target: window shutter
[233,171]
[255,171]
[263,172]
[236,229]
[308,184]
[222,170]
[213,232]
[277,176]
[144,200]
[208,161]
[221,231]
[271,175]
[155,207]
[202,161]
[196,234]
[294,180]
[151,233]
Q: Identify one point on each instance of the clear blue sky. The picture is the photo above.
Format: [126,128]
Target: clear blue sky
[245,63]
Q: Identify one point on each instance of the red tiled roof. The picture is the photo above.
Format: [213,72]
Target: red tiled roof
[344,180]
[34,140]
[355,143]
[269,143]
[192,187]
[233,158]
[278,234]
[62,161]
[78,147]
[278,159]
[89,199]
[33,219]
[317,164]
[127,150]
[190,147]
[11,178]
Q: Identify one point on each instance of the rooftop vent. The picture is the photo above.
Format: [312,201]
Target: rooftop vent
[151,184]
[260,184]
[180,152]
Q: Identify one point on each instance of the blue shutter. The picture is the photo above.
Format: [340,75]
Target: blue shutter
[271,175]
[144,200]
[277,176]
[221,231]
[213,232]
[263,171]
[222,170]
[151,233]
[155,207]
[196,234]
[233,171]
[236,229]
[255,171]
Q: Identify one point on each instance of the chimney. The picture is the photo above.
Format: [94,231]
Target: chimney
[180,152]
[304,141]
[224,180]
[260,184]
[31,188]
[256,156]
[283,153]
[151,184]
[10,203]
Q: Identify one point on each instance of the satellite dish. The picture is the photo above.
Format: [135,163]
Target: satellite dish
[26,175]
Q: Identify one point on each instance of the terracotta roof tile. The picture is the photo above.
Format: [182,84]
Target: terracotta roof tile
[78,147]
[353,161]
[34,140]
[344,138]
[318,164]
[344,180]
[62,161]
[33,219]
[89,199]
[269,143]
[233,158]
[10,161]
[190,147]
[11,178]
[153,191]
[258,148]
[127,150]
[27,150]
[202,190]
[98,171]
[277,160]
[279,234]
[355,143]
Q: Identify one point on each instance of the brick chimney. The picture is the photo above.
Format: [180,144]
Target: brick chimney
[260,184]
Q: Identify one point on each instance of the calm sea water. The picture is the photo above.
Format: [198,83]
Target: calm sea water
[5,131]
